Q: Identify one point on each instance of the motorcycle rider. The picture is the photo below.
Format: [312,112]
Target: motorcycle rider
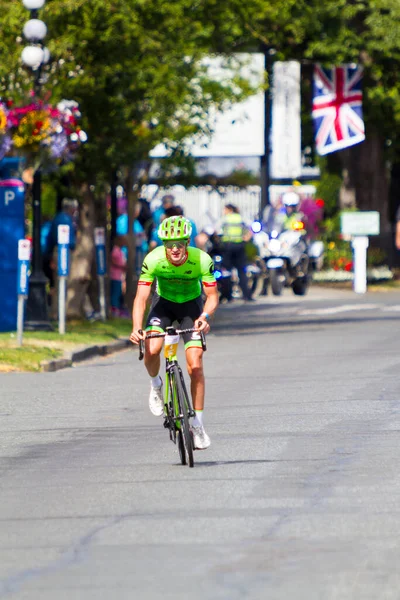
[291,203]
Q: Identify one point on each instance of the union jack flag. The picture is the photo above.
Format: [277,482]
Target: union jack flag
[337,108]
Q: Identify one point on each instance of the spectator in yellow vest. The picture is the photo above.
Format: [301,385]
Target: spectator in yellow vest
[234,235]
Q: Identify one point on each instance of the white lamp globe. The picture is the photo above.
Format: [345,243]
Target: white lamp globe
[32,56]
[33,4]
[35,30]
[46,55]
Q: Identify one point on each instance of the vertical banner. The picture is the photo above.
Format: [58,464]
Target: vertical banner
[337,108]
[286,123]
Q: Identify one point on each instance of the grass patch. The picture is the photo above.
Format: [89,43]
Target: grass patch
[47,345]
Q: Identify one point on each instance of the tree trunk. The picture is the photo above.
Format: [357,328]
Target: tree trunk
[367,173]
[83,256]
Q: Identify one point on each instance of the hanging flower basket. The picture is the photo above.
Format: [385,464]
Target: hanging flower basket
[46,135]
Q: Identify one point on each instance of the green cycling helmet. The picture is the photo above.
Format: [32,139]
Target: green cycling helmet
[175,228]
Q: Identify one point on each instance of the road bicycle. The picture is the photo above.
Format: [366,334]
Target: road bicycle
[177,406]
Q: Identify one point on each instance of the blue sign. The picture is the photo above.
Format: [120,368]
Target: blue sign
[12,229]
[101,260]
[63,250]
[100,243]
[63,260]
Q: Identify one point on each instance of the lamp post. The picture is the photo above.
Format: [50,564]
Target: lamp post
[34,56]
[265,159]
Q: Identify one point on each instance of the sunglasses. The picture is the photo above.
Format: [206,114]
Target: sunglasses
[175,244]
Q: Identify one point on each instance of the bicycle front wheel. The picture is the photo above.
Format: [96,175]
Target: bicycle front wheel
[184,435]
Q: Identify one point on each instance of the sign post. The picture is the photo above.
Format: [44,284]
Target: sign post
[63,272]
[24,257]
[360,225]
[100,243]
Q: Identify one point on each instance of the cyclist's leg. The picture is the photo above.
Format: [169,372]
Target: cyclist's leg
[194,362]
[194,351]
[158,319]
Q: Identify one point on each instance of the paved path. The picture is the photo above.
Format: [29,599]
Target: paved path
[297,498]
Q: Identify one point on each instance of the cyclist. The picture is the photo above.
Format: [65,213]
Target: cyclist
[178,269]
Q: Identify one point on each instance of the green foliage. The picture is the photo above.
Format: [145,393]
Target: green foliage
[328,188]
[338,255]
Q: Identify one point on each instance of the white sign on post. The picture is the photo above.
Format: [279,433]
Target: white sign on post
[360,225]
[100,236]
[24,250]
[63,234]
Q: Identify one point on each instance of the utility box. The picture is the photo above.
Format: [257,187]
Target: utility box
[12,229]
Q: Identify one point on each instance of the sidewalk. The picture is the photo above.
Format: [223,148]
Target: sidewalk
[84,353]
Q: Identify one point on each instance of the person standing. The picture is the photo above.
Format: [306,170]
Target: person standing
[397,233]
[234,232]
[159,214]
[117,275]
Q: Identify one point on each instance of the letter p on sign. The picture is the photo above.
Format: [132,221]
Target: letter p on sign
[8,197]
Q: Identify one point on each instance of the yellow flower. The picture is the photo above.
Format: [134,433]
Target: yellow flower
[3,121]
[331,245]
[34,127]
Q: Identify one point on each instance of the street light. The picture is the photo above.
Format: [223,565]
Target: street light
[34,56]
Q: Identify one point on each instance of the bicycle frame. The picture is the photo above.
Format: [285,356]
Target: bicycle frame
[177,405]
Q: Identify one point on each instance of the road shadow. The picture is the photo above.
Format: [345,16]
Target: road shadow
[217,463]
[244,327]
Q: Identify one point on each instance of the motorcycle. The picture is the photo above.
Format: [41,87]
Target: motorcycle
[223,277]
[289,262]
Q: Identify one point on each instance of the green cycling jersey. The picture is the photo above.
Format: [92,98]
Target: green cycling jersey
[178,283]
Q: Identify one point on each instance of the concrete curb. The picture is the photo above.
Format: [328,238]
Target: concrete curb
[82,354]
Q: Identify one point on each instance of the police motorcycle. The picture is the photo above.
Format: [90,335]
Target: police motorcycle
[289,263]
[292,259]
[211,243]
[255,271]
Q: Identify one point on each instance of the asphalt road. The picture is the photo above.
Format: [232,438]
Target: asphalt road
[297,498]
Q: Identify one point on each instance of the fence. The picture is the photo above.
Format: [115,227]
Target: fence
[205,205]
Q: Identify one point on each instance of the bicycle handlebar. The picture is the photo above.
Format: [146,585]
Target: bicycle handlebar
[164,333]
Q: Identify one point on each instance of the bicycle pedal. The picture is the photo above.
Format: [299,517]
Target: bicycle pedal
[166,423]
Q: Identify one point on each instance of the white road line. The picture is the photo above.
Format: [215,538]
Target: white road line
[338,309]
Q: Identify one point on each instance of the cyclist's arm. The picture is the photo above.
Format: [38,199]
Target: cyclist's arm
[210,306]
[138,311]
[212,299]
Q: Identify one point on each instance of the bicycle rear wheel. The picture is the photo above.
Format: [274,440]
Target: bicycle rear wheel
[185,443]
[181,447]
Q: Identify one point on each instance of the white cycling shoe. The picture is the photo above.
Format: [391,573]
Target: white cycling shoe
[201,441]
[156,400]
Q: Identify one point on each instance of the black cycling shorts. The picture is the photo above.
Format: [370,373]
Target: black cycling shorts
[164,312]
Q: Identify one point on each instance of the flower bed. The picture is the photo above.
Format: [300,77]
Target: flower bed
[373,274]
